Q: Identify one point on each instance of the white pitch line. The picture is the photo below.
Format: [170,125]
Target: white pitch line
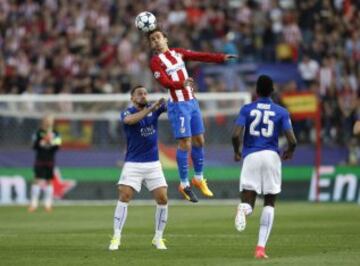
[150,202]
[231,235]
[142,202]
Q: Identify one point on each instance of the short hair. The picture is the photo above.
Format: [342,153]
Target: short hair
[132,91]
[155,30]
[264,86]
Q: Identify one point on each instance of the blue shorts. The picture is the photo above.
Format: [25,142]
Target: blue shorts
[185,118]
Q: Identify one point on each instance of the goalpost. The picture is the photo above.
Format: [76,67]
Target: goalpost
[91,120]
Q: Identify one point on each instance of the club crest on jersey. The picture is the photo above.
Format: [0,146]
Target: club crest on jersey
[156,74]
[125,114]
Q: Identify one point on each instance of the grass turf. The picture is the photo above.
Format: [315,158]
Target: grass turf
[303,234]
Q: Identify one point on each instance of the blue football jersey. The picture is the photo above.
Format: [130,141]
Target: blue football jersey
[142,145]
[263,121]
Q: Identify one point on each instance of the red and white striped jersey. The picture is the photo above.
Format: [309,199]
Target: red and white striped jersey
[170,71]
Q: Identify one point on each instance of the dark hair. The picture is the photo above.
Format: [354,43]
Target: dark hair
[155,30]
[132,91]
[264,86]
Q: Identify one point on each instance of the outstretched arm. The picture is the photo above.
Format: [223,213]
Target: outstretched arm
[237,141]
[136,117]
[189,55]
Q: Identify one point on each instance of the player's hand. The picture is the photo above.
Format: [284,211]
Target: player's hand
[230,56]
[47,139]
[237,157]
[156,105]
[189,82]
[43,143]
[287,155]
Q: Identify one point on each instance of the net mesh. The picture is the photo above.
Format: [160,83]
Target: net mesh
[91,122]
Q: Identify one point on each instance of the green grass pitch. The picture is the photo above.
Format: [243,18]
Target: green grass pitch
[303,234]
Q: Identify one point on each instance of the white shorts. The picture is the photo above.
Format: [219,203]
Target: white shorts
[261,172]
[150,174]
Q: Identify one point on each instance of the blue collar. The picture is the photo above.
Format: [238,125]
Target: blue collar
[264,100]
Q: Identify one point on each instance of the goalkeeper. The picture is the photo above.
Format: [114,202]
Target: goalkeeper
[46,142]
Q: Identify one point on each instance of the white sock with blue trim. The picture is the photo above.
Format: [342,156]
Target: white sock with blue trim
[120,216]
[161,216]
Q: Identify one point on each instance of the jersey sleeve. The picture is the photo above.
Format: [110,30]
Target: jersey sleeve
[286,121]
[124,114]
[36,140]
[189,55]
[162,109]
[161,76]
[241,119]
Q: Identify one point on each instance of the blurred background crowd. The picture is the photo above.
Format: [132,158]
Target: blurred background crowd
[84,46]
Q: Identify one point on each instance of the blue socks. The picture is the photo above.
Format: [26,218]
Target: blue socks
[183,166]
[197,156]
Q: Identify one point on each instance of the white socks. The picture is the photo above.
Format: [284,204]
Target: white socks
[246,207]
[185,184]
[120,217]
[35,194]
[266,222]
[161,216]
[48,196]
[199,177]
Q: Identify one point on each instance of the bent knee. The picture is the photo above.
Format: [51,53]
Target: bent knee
[198,141]
[124,197]
[162,200]
[125,194]
[185,144]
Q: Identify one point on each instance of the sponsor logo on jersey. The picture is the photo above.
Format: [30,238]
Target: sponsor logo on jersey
[175,68]
[147,131]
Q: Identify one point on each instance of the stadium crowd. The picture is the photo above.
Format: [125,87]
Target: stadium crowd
[84,46]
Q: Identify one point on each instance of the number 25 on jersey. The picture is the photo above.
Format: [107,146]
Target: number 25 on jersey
[264,117]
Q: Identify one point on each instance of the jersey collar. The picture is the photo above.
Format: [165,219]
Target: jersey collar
[264,99]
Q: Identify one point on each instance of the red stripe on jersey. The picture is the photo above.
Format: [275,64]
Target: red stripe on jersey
[180,74]
[170,57]
[173,96]
[183,91]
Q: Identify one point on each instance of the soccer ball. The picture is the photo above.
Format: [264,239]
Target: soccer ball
[145,21]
